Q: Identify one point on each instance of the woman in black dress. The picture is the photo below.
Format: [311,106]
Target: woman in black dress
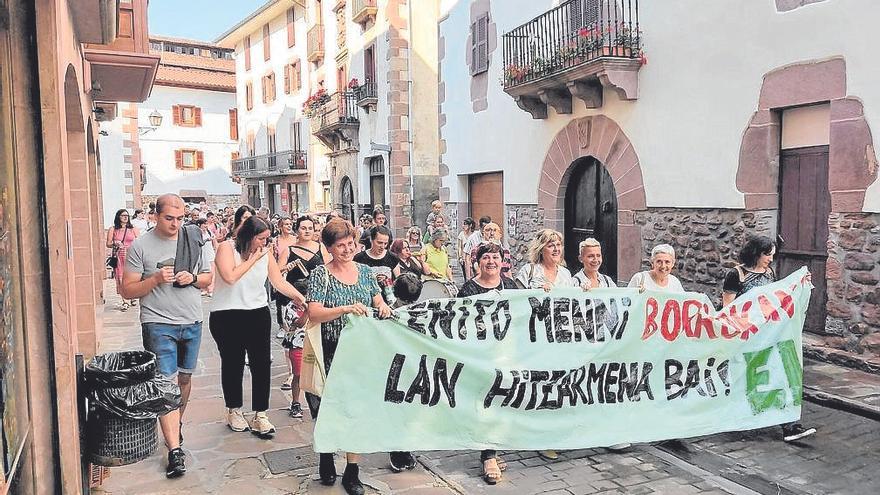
[754,271]
[408,262]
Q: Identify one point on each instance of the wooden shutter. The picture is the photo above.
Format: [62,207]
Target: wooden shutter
[197,117]
[266,53]
[178,159]
[480,51]
[249,95]
[247,53]
[233,124]
[175,115]
[200,160]
[297,82]
[287,70]
[291,34]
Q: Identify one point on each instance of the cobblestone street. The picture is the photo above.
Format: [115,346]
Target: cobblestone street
[839,459]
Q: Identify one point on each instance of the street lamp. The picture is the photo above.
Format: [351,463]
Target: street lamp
[155,121]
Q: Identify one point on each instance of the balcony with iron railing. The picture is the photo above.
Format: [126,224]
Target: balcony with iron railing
[575,49]
[363,10]
[315,43]
[367,95]
[277,163]
[335,121]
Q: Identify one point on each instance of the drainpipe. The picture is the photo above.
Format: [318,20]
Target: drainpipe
[409,124]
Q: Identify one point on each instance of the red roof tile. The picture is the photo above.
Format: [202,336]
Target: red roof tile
[195,78]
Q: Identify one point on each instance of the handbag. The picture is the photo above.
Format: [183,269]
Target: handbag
[113,259]
[312,374]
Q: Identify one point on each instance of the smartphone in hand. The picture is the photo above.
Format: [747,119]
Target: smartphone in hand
[162,264]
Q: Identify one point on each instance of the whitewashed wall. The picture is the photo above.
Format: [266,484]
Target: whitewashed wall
[697,93]
[113,179]
[286,109]
[212,138]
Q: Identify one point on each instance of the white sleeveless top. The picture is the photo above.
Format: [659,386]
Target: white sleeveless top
[249,292]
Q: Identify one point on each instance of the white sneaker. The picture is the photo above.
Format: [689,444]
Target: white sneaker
[235,420]
[261,426]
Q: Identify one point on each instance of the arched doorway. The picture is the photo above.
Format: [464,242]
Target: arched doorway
[591,211]
[347,199]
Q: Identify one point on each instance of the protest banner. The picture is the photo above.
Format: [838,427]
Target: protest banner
[568,369]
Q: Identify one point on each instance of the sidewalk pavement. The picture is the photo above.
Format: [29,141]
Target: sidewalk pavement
[220,461]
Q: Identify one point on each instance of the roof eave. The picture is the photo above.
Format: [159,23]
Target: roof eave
[252,22]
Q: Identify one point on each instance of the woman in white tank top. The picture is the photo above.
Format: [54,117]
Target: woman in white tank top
[241,322]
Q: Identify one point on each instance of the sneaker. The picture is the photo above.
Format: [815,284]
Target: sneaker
[287,384]
[296,410]
[280,334]
[133,302]
[235,420]
[176,466]
[180,431]
[409,460]
[261,426]
[550,455]
[397,461]
[123,307]
[794,431]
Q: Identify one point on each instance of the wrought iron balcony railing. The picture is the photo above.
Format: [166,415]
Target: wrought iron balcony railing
[315,43]
[341,108]
[574,33]
[279,162]
[367,94]
[361,10]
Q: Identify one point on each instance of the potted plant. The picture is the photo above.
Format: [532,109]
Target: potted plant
[628,39]
[515,74]
[314,102]
[589,41]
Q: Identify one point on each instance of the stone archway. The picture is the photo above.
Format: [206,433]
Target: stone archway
[600,137]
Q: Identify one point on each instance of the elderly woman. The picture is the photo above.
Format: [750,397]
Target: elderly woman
[546,268]
[754,271]
[489,256]
[407,262]
[339,288]
[659,277]
[590,255]
[436,256]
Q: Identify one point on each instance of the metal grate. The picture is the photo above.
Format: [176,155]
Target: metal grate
[284,460]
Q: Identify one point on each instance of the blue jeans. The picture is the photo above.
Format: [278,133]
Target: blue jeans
[176,346]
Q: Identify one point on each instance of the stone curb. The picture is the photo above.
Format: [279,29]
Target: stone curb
[839,358]
[842,403]
[431,467]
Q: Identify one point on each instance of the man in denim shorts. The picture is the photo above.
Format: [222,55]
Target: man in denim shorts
[171,316]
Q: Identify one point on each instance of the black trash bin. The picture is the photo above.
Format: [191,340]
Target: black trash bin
[125,395]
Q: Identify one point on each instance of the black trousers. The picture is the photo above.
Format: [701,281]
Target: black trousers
[240,331]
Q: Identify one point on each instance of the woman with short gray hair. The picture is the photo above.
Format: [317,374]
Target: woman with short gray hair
[659,277]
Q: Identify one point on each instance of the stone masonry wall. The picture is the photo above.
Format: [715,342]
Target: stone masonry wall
[706,241]
[529,219]
[853,272]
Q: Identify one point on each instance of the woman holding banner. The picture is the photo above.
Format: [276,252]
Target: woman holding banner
[545,269]
[754,271]
[489,259]
[339,288]
[660,276]
[590,255]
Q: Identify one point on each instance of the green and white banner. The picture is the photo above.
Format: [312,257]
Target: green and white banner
[568,369]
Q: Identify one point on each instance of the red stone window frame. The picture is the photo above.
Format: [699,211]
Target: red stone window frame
[189,159]
[233,124]
[247,53]
[186,115]
[480,45]
[269,87]
[291,29]
[249,95]
[266,48]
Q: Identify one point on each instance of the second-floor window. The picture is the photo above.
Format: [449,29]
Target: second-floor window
[269,88]
[249,95]
[292,79]
[233,124]
[187,115]
[480,45]
[186,159]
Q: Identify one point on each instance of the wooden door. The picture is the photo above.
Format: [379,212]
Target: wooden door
[486,192]
[591,211]
[804,206]
[347,199]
